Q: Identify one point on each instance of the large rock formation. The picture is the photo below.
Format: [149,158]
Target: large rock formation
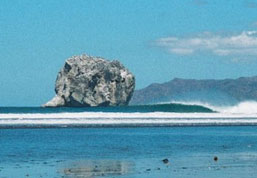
[92,81]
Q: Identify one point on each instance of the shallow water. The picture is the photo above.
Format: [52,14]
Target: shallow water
[129,152]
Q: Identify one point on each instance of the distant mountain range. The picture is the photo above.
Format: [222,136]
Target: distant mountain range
[225,91]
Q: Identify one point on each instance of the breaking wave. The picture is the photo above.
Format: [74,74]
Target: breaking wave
[176,113]
[245,107]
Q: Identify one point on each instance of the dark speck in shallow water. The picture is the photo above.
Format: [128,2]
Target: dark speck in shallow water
[215,158]
[165,161]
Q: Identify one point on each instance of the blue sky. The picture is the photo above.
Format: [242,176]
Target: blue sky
[156,40]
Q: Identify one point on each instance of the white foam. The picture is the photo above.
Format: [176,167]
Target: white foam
[246,107]
[244,113]
[154,118]
[136,115]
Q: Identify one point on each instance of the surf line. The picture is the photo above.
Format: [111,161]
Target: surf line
[119,115]
[128,119]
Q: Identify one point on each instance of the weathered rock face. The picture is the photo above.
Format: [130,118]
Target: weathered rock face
[92,81]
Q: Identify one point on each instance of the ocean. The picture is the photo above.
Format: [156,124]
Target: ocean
[164,140]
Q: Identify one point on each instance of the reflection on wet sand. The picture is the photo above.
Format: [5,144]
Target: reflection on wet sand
[94,168]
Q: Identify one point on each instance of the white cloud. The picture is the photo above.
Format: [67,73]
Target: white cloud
[236,45]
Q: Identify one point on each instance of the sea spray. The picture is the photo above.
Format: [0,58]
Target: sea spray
[245,107]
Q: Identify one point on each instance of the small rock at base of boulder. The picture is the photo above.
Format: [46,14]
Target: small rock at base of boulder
[92,81]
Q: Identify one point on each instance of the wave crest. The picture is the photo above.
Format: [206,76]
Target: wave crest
[245,107]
